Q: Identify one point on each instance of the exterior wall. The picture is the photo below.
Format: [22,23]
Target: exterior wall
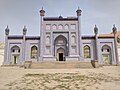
[109,43]
[67,33]
[119,52]
[12,43]
[29,44]
[91,44]
[19,43]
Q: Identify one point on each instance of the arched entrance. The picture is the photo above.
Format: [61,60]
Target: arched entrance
[106,55]
[15,51]
[60,48]
[61,54]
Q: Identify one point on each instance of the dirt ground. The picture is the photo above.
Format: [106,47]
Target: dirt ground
[103,78]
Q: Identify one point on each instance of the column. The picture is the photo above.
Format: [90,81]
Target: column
[79,33]
[115,44]
[96,42]
[6,46]
[42,14]
[24,44]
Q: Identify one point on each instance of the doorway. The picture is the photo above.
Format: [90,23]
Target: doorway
[61,57]
[106,55]
[15,59]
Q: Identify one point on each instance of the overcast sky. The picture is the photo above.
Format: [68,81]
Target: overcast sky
[17,13]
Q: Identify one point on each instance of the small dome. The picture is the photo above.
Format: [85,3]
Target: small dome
[60,16]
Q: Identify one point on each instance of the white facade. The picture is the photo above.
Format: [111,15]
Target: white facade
[60,40]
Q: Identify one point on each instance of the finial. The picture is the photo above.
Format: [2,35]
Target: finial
[95,25]
[113,25]
[7,30]
[24,26]
[114,29]
[42,8]
[95,30]
[24,30]
[78,12]
[78,8]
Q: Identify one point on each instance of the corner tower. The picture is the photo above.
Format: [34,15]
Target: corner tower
[79,32]
[42,14]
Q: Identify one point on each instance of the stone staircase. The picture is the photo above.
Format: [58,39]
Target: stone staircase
[58,65]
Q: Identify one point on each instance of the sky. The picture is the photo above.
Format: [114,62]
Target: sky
[17,13]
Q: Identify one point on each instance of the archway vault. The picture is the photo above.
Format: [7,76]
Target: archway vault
[60,48]
[106,55]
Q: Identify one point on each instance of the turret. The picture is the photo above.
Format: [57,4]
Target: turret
[96,43]
[79,33]
[78,12]
[40,52]
[42,12]
[114,29]
[24,44]
[6,59]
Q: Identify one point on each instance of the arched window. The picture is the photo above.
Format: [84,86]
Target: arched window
[66,27]
[73,39]
[54,27]
[15,49]
[60,26]
[34,51]
[48,40]
[15,53]
[87,52]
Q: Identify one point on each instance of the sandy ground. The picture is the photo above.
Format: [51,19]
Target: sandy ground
[103,78]
[1,56]
[15,78]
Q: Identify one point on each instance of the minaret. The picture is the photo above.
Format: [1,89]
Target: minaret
[6,46]
[79,32]
[96,42]
[115,43]
[24,44]
[42,14]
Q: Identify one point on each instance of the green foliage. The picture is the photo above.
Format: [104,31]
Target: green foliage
[118,39]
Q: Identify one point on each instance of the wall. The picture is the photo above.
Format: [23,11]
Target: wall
[1,53]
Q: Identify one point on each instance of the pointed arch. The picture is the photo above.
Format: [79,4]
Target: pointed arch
[34,51]
[106,54]
[66,27]
[15,55]
[60,26]
[54,26]
[87,53]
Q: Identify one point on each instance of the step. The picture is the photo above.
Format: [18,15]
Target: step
[60,65]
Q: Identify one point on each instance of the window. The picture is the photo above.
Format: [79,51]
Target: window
[66,27]
[34,52]
[48,40]
[47,26]
[73,39]
[60,27]
[54,27]
[73,26]
[87,52]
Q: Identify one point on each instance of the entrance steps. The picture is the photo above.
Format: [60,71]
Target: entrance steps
[58,65]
